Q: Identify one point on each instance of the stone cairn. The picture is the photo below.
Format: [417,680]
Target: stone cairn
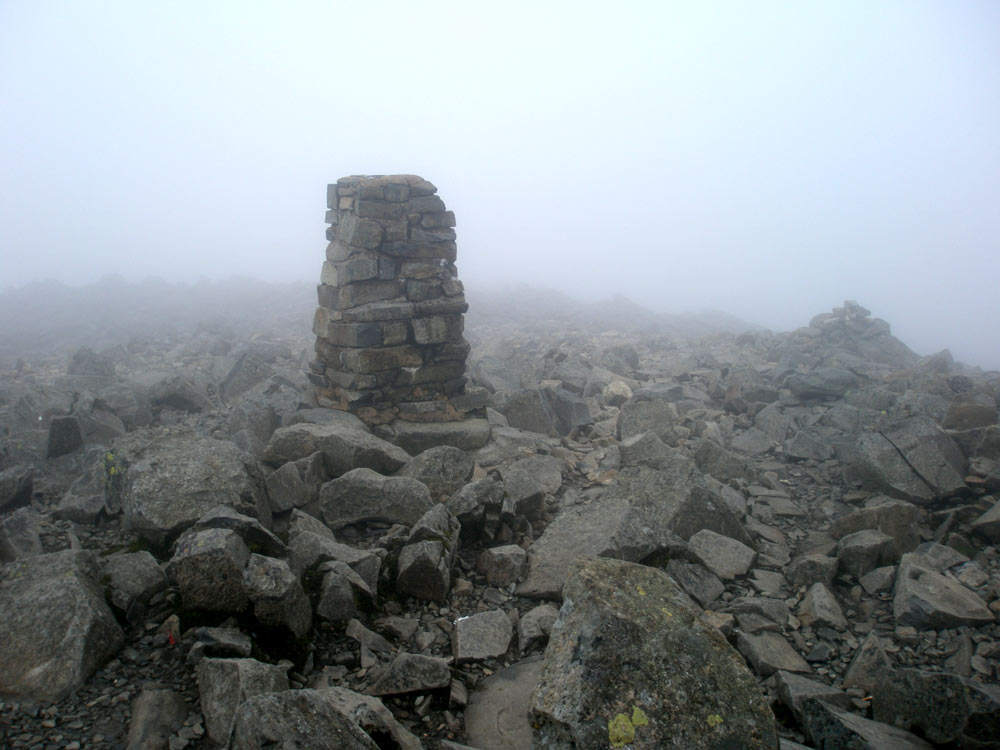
[389,324]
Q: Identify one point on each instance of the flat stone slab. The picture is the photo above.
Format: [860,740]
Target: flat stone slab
[416,437]
[725,557]
[497,715]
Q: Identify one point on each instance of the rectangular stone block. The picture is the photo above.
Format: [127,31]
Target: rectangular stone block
[353,334]
[386,268]
[437,329]
[452,287]
[443,306]
[347,203]
[379,209]
[385,358]
[327,296]
[352,380]
[337,251]
[396,230]
[368,190]
[331,196]
[360,232]
[438,221]
[379,311]
[420,269]
[430,373]
[364,292]
[396,192]
[331,216]
[395,332]
[431,236]
[419,291]
[427,204]
[451,350]
[359,268]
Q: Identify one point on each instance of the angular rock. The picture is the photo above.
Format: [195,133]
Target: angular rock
[527,481]
[867,664]
[300,719]
[344,595]
[822,383]
[896,518]
[725,557]
[207,568]
[372,717]
[412,673]
[16,486]
[154,712]
[20,535]
[363,495]
[768,652]
[345,448]
[64,436]
[831,727]
[719,463]
[988,524]
[133,579]
[810,569]
[624,624]
[915,460]
[929,600]
[863,551]
[416,437]
[485,635]
[497,715]
[443,469]
[639,416]
[698,582]
[944,708]
[502,566]
[56,629]
[535,626]
[478,506]
[794,689]
[276,595]
[165,485]
[424,571]
[819,607]
[224,684]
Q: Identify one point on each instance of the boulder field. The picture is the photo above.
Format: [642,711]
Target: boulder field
[649,540]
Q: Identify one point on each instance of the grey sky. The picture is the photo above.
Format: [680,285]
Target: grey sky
[768,159]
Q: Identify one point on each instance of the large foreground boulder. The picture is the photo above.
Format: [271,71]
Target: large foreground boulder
[301,719]
[165,485]
[56,629]
[345,447]
[630,664]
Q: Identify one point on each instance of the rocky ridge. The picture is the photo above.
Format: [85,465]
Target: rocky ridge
[816,509]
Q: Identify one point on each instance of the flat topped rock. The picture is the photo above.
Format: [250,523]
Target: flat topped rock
[415,437]
[630,663]
[497,717]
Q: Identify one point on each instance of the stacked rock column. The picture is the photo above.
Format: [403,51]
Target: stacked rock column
[389,323]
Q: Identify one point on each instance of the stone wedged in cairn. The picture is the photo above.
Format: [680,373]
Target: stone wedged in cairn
[389,324]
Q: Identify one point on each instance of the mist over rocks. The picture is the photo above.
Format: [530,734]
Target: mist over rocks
[822,500]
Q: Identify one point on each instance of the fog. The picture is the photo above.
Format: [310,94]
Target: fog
[765,159]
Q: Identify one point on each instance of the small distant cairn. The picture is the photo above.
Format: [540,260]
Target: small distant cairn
[389,324]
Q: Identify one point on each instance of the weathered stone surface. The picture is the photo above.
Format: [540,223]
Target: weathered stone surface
[345,448]
[863,551]
[301,719]
[719,463]
[485,635]
[943,708]
[988,524]
[371,716]
[820,607]
[725,557]
[915,460]
[927,599]
[364,495]
[477,506]
[165,485]
[767,652]
[20,535]
[64,436]
[497,716]
[412,673]
[896,518]
[226,683]
[629,625]
[808,569]
[154,713]
[504,565]
[822,383]
[467,435]
[276,595]
[56,629]
[867,664]
[424,570]
[16,484]
[831,727]
[535,625]
[133,579]
[444,469]
[207,568]
[698,582]
[794,689]
[344,595]
[528,480]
